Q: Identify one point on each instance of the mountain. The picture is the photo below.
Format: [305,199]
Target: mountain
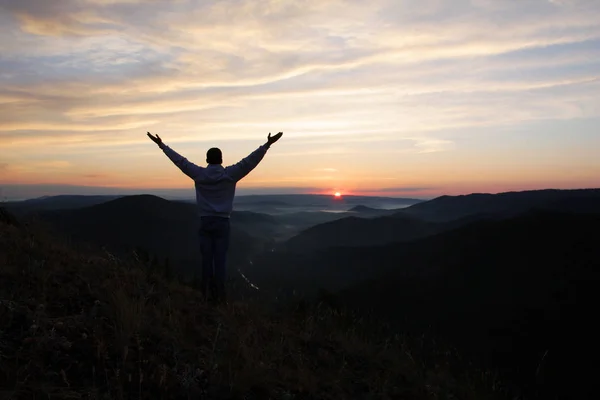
[371,230]
[518,294]
[169,228]
[280,227]
[447,208]
[359,232]
[514,292]
[160,227]
[370,212]
[61,202]
[320,199]
[363,209]
[492,258]
[264,226]
[305,219]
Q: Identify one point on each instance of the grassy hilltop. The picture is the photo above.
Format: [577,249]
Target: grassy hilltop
[82,324]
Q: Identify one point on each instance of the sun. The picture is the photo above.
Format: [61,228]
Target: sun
[337,195]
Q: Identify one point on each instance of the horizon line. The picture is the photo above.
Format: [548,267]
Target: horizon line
[177,193]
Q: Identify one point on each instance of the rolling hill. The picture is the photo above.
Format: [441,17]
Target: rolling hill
[447,208]
[313,258]
[360,232]
[510,291]
[161,227]
[62,202]
[367,226]
[505,291]
[321,200]
[370,212]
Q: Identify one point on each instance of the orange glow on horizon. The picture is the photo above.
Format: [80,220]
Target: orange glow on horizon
[337,195]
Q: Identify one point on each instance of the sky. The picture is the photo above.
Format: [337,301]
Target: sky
[406,98]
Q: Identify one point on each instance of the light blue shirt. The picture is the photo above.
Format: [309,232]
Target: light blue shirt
[215,184]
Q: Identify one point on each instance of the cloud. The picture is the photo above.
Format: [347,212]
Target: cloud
[425,145]
[40,166]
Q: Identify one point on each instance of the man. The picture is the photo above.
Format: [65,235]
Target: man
[215,189]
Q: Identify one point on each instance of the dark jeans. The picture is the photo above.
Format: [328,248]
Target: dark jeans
[214,243]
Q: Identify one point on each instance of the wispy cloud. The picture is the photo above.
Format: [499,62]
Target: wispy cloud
[39,166]
[432,145]
[94,176]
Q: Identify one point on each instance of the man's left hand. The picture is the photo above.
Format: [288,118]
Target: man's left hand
[273,139]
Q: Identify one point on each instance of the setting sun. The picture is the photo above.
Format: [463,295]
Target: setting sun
[338,194]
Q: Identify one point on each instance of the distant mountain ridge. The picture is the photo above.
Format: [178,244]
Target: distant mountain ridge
[301,198]
[60,202]
[361,208]
[256,203]
[314,202]
[366,211]
[446,208]
[434,216]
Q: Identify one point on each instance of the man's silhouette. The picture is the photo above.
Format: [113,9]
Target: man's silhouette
[215,189]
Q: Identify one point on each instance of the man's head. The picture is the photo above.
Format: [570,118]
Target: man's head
[214,156]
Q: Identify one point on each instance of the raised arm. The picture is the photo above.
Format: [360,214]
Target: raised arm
[190,169]
[243,168]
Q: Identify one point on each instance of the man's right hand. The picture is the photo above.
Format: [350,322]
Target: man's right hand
[156,139]
[273,139]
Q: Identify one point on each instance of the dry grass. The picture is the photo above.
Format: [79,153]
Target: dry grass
[77,325]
